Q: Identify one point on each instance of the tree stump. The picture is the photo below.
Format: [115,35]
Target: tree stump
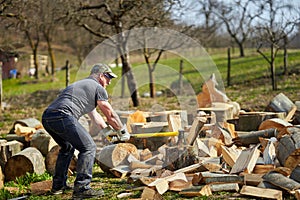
[29,160]
[42,141]
[116,154]
[51,158]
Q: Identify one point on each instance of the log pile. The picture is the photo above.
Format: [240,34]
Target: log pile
[221,148]
[221,155]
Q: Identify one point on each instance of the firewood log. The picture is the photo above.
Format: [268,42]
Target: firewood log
[288,150]
[42,141]
[116,154]
[281,181]
[29,160]
[51,158]
[252,137]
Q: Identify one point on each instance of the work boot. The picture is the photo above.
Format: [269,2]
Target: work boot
[90,193]
[61,190]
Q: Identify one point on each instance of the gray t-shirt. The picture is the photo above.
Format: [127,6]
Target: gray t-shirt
[80,97]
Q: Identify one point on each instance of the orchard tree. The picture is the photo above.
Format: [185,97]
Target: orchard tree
[278,21]
[238,17]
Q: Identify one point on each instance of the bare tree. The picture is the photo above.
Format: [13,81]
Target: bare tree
[238,17]
[166,44]
[276,24]
[206,32]
[110,18]
[24,16]
[50,16]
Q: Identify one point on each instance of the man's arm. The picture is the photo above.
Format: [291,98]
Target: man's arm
[97,118]
[111,116]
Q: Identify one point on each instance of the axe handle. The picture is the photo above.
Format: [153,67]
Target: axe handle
[159,134]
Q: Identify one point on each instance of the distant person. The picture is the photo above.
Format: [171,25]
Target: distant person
[60,120]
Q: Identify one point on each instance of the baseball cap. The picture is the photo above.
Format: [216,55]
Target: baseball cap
[103,68]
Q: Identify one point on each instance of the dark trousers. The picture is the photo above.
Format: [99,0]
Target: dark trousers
[69,134]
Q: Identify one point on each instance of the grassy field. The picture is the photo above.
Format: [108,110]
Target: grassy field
[250,87]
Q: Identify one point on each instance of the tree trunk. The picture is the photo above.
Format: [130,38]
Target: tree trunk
[151,80]
[131,83]
[228,67]
[34,48]
[272,65]
[51,55]
[241,48]
[285,58]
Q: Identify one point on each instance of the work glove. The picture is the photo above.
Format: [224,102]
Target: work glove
[122,134]
[113,136]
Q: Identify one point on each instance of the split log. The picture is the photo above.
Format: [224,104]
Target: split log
[252,179]
[252,137]
[288,150]
[297,194]
[246,160]
[179,185]
[28,122]
[269,152]
[139,165]
[201,149]
[222,134]
[162,184]
[27,132]
[261,192]
[214,142]
[51,157]
[189,169]
[230,154]
[263,169]
[42,141]
[174,122]
[151,194]
[28,160]
[145,154]
[277,123]
[121,171]
[116,154]
[281,181]
[195,129]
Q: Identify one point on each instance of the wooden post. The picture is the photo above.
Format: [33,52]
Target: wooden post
[180,76]
[67,73]
[0,87]
[228,67]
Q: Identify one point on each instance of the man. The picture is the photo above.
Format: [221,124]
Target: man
[60,120]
